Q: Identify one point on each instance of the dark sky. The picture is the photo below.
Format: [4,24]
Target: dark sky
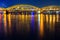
[38,3]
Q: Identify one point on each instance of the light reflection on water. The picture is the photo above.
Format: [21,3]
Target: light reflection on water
[28,24]
[23,23]
[5,23]
[1,16]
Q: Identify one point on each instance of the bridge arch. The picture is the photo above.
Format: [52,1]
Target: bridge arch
[23,7]
[52,7]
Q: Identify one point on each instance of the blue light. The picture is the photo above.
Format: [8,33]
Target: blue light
[32,24]
[32,13]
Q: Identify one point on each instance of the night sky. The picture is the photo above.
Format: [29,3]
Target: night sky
[38,3]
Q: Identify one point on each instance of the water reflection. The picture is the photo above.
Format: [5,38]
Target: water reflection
[5,23]
[29,25]
[41,25]
[32,23]
[1,16]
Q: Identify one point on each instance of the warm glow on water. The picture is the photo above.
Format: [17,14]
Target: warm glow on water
[54,19]
[1,16]
[22,18]
[5,23]
[41,25]
[57,17]
[50,21]
[28,24]
[9,19]
[9,22]
[50,18]
[46,18]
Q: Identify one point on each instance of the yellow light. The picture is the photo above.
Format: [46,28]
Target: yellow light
[50,18]
[57,17]
[53,18]
[9,19]
[50,22]
[9,22]
[41,25]
[5,24]
[38,12]
[46,18]
[22,17]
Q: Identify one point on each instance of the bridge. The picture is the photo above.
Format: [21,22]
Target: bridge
[52,11]
[29,8]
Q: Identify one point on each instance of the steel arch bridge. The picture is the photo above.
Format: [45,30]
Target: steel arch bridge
[23,7]
[26,7]
[52,7]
